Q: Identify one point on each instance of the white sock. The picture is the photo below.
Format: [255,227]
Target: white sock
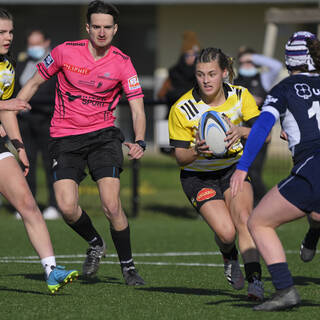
[47,263]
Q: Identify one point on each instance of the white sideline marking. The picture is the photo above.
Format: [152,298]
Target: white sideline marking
[35,259]
[164,254]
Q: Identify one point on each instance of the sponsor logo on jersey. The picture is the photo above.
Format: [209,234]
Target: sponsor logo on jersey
[303,90]
[270,99]
[79,44]
[90,83]
[205,194]
[133,83]
[71,97]
[95,102]
[48,61]
[76,69]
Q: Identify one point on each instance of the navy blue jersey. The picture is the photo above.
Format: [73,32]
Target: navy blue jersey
[296,101]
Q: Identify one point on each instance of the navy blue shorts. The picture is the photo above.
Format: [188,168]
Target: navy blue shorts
[100,150]
[302,186]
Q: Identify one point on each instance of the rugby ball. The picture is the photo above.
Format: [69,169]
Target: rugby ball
[212,129]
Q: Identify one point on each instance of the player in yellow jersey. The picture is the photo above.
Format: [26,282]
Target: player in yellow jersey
[13,184]
[204,178]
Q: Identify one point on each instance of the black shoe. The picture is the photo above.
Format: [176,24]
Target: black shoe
[309,245]
[131,277]
[282,299]
[91,264]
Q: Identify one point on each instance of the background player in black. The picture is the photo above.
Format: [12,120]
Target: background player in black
[34,125]
[296,101]
[258,74]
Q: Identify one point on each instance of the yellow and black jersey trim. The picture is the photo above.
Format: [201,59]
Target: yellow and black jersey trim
[185,114]
[7,75]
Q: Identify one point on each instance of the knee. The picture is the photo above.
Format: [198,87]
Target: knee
[242,219]
[67,205]
[228,235]
[112,209]
[27,204]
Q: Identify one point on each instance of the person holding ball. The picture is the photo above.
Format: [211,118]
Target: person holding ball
[205,178]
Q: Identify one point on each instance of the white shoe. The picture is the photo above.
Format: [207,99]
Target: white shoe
[51,213]
[233,273]
[17,215]
[256,290]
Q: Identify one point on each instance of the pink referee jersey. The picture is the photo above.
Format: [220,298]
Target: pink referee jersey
[87,91]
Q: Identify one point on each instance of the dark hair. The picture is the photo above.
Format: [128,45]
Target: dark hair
[314,49]
[40,31]
[245,50]
[98,6]
[211,54]
[6,15]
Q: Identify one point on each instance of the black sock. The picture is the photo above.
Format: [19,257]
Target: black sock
[86,230]
[231,255]
[121,240]
[311,239]
[253,271]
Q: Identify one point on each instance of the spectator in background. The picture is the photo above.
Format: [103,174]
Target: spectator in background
[34,124]
[181,76]
[257,73]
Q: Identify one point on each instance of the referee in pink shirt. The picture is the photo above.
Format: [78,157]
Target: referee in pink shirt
[92,74]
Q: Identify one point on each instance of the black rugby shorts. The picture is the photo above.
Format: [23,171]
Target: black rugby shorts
[100,150]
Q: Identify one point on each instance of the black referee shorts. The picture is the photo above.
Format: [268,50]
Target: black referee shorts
[100,150]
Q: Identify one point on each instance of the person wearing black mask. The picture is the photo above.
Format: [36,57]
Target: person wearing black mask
[34,124]
[181,76]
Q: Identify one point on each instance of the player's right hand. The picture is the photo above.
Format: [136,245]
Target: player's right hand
[15,105]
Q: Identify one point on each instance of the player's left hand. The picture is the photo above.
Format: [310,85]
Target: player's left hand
[236,181]
[135,151]
[24,160]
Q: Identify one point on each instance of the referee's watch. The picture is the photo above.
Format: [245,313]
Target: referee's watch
[142,144]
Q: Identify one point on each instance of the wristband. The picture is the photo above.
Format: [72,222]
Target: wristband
[142,144]
[17,144]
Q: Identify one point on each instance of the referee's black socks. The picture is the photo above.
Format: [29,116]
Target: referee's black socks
[86,230]
[122,243]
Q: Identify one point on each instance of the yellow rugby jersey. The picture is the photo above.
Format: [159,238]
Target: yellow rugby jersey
[184,116]
[6,79]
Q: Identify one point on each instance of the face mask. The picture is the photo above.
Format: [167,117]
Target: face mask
[36,52]
[248,72]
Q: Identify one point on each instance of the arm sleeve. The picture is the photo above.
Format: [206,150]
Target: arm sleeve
[51,63]
[249,108]
[257,137]
[269,76]
[180,136]
[8,92]
[130,82]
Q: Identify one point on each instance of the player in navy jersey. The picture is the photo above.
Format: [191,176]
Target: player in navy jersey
[296,102]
